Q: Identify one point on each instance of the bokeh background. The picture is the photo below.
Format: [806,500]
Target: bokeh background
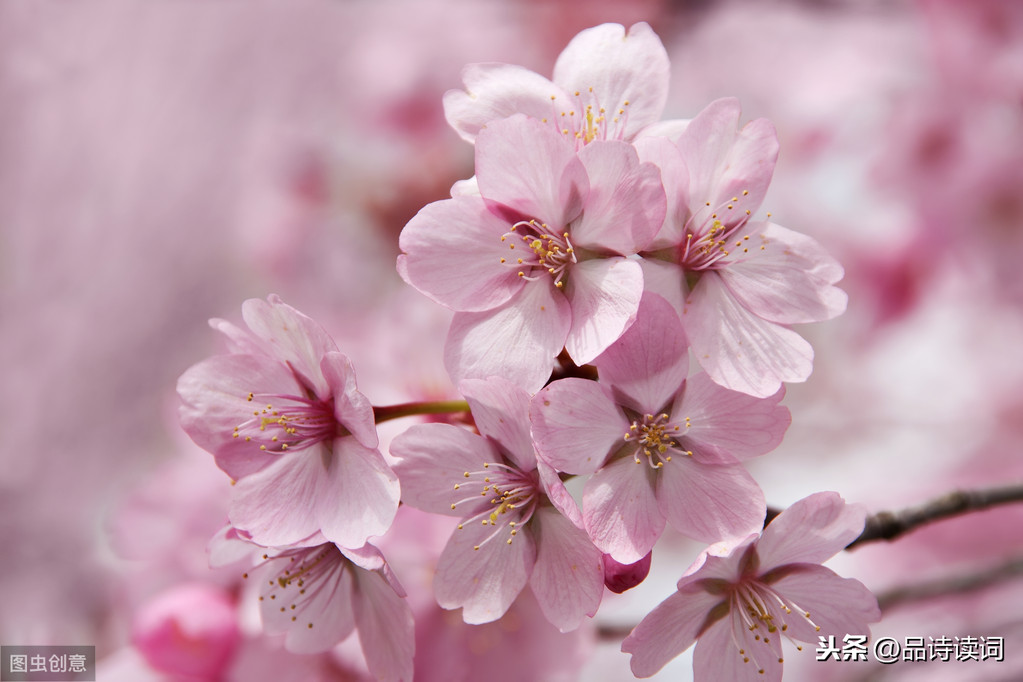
[160,162]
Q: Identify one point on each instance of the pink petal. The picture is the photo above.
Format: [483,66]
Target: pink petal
[787,281]
[620,510]
[295,338]
[668,630]
[215,400]
[323,600]
[433,459]
[239,340]
[275,505]
[667,280]
[735,422]
[738,349]
[721,562]
[671,129]
[568,578]
[453,253]
[369,558]
[351,408]
[726,163]
[518,341]
[501,412]
[648,364]
[483,582]
[576,425]
[530,168]
[604,295]
[386,627]
[621,68]
[496,91]
[812,530]
[839,606]
[466,188]
[710,501]
[558,494]
[626,205]
[228,547]
[717,654]
[356,494]
[675,179]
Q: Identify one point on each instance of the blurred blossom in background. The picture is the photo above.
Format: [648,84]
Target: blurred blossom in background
[163,161]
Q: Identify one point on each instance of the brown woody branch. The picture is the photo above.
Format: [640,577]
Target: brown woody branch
[890,525]
[959,584]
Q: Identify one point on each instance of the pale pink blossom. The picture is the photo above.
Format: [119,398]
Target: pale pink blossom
[739,602]
[283,416]
[662,448]
[738,282]
[537,260]
[316,594]
[608,84]
[519,524]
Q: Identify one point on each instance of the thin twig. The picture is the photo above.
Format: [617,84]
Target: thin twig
[890,525]
[959,584]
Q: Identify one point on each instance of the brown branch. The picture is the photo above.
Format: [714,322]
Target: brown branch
[952,585]
[890,525]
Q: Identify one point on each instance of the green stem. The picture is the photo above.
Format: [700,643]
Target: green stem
[388,412]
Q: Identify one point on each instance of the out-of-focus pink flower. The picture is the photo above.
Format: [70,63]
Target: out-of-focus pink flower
[609,84]
[283,417]
[737,282]
[740,602]
[514,527]
[661,447]
[190,630]
[541,251]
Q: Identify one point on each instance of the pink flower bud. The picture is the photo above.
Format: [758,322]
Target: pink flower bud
[620,577]
[189,630]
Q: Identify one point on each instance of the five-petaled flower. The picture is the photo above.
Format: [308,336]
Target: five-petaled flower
[538,260]
[316,593]
[609,83]
[737,281]
[738,603]
[282,415]
[661,447]
[519,524]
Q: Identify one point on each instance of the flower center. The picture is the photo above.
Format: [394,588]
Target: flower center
[506,499]
[585,119]
[292,424]
[656,437]
[295,578]
[712,238]
[544,251]
[759,609]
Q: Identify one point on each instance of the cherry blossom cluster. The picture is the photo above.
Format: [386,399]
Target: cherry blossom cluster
[621,326]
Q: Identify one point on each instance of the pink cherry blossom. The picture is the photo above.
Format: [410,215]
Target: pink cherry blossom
[740,602]
[537,260]
[316,593]
[662,448]
[282,415]
[608,84]
[519,525]
[737,282]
